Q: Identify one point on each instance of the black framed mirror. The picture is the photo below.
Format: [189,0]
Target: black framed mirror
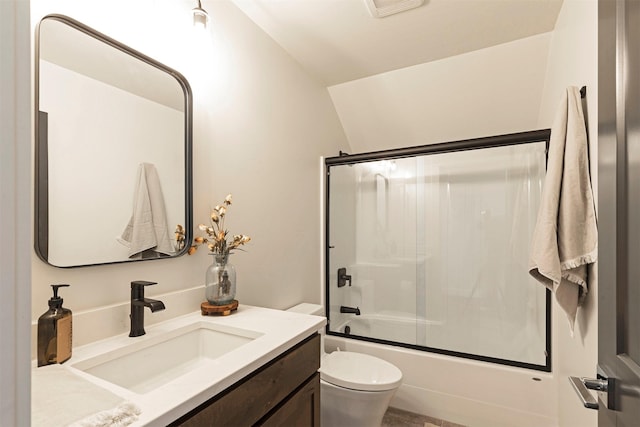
[113,167]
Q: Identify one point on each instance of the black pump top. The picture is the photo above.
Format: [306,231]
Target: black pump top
[56,301]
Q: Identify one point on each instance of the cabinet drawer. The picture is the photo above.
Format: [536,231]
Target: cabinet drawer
[300,410]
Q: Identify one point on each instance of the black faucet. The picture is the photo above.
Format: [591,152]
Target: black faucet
[138,303]
[350,310]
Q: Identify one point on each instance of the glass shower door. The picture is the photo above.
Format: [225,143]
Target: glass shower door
[430,251]
[372,227]
[480,213]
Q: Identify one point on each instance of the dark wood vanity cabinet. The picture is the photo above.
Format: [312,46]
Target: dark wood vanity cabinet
[284,392]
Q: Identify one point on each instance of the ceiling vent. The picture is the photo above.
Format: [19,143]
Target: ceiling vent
[382,8]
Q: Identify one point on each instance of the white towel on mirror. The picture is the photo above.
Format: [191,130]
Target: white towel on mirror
[565,238]
[147,234]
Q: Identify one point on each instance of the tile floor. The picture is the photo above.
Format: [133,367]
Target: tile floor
[398,418]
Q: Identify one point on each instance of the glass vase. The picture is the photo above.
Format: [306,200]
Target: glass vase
[220,285]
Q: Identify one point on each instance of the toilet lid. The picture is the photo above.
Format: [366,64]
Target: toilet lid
[359,371]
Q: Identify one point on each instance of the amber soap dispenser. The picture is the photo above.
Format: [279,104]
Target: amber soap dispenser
[54,332]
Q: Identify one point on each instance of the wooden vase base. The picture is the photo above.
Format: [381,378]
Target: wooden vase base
[218,310]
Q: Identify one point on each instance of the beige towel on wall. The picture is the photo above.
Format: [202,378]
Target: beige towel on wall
[565,239]
[147,233]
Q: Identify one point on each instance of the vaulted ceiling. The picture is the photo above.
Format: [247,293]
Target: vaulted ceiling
[339,40]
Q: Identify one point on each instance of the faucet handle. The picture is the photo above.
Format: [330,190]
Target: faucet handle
[141,283]
[343,277]
[137,288]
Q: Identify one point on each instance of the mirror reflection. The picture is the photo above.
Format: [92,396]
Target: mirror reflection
[113,165]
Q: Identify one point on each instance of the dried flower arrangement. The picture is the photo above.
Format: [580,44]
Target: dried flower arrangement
[216,235]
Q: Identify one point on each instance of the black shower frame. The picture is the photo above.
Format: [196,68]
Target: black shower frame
[527,137]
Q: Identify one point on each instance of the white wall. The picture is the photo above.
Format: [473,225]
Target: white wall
[260,126]
[487,92]
[573,61]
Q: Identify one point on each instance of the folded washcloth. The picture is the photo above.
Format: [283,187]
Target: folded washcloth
[565,239]
[120,416]
[59,397]
[147,233]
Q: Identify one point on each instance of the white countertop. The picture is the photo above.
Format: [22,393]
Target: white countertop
[280,331]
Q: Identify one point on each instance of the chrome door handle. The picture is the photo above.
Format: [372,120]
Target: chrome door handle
[604,387]
[580,386]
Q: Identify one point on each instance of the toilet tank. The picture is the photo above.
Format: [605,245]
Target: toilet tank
[307,308]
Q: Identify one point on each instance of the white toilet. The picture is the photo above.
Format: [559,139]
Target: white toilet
[355,388]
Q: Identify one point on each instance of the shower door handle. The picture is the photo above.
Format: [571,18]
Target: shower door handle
[343,277]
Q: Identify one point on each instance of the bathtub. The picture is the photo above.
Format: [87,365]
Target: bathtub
[468,392]
[386,327]
[437,334]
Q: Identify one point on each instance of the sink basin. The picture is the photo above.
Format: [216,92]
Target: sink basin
[153,361]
